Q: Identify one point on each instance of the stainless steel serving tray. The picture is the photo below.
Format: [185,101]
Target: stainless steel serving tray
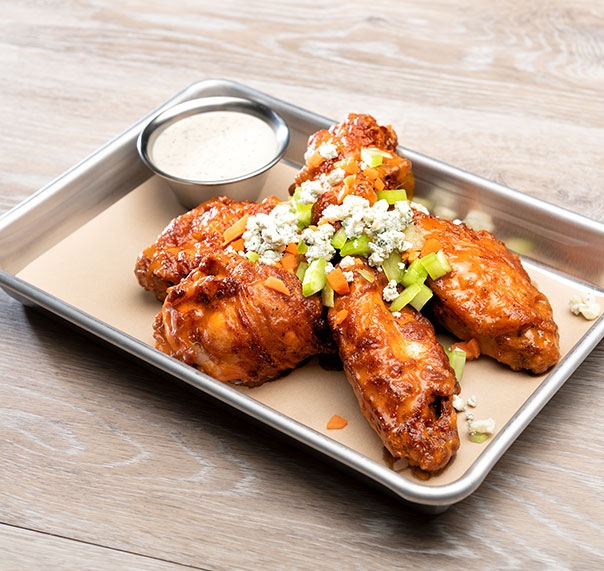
[562,250]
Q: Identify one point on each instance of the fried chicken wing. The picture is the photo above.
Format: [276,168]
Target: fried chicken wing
[182,244]
[489,296]
[399,372]
[336,153]
[227,319]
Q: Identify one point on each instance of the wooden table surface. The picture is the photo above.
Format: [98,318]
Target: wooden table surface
[109,465]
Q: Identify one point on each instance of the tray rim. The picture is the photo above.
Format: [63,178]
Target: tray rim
[430,498]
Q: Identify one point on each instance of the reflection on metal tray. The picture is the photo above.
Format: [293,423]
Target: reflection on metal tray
[111,206]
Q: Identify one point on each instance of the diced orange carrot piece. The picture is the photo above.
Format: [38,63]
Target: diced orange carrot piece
[371,196]
[292,248]
[379,184]
[238,245]
[336,422]
[235,231]
[314,160]
[341,316]
[371,173]
[431,245]
[338,282]
[350,165]
[276,284]
[471,347]
[411,255]
[289,262]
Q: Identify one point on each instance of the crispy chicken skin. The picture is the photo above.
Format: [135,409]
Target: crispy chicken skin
[348,138]
[399,373]
[225,320]
[182,244]
[489,296]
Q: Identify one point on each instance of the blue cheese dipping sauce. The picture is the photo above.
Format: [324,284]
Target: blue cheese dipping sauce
[214,146]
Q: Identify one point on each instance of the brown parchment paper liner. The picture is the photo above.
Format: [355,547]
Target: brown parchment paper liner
[92,269]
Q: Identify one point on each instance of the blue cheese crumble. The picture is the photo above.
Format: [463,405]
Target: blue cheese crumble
[318,240]
[347,263]
[384,226]
[481,426]
[269,234]
[335,176]
[309,191]
[585,304]
[390,292]
[328,151]
[458,403]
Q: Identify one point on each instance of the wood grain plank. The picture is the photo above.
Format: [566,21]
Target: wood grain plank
[65,554]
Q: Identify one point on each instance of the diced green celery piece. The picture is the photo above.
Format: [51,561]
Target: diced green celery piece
[436,264]
[457,359]
[373,157]
[302,210]
[314,277]
[421,297]
[367,274]
[356,246]
[327,295]
[443,260]
[302,247]
[405,297]
[301,270]
[303,213]
[392,196]
[339,239]
[393,267]
[478,437]
[252,256]
[416,273]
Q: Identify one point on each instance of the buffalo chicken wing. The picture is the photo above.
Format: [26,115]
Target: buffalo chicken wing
[182,244]
[228,319]
[399,372]
[488,296]
[336,156]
